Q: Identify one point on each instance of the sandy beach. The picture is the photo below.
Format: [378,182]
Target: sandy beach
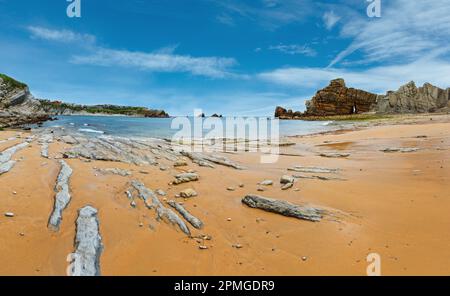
[394,204]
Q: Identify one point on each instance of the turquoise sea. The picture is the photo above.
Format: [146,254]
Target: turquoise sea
[161,127]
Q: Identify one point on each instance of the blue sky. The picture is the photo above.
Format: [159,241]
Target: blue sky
[229,57]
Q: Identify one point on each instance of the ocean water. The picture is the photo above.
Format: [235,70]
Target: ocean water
[162,127]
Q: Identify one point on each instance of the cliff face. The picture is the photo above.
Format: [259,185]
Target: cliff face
[17,105]
[410,99]
[337,99]
[61,108]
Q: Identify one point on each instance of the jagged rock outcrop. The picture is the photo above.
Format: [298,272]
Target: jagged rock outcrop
[411,99]
[337,99]
[17,105]
[282,113]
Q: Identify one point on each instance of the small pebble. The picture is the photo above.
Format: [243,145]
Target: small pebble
[203,247]
[9,215]
[229,219]
[231,189]
[304,258]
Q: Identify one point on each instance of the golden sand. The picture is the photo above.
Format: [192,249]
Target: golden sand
[393,204]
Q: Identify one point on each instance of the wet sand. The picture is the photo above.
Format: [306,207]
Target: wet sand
[394,204]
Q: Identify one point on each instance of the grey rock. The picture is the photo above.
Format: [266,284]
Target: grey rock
[194,221]
[185,178]
[335,155]
[266,183]
[152,202]
[286,179]
[208,160]
[287,186]
[114,171]
[88,244]
[314,170]
[6,164]
[62,197]
[411,99]
[283,208]
[402,150]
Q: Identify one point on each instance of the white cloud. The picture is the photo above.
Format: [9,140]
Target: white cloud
[225,19]
[161,60]
[330,19]
[406,31]
[270,14]
[377,79]
[294,49]
[215,67]
[65,36]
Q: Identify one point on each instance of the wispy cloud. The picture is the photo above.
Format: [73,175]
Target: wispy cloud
[406,31]
[215,67]
[226,20]
[161,60]
[377,79]
[294,49]
[65,36]
[270,14]
[330,19]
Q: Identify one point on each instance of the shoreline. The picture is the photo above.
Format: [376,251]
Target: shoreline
[362,194]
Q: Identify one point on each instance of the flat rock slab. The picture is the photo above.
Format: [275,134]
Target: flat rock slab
[62,197]
[401,150]
[335,155]
[88,244]
[6,164]
[283,208]
[313,170]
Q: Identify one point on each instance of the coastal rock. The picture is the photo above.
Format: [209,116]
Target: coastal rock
[286,179]
[6,164]
[337,99]
[62,197]
[17,105]
[411,99]
[188,193]
[402,150]
[334,155]
[283,208]
[114,171]
[207,160]
[194,221]
[314,170]
[88,244]
[282,113]
[185,178]
[266,183]
[152,202]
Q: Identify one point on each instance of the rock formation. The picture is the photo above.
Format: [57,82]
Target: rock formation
[88,244]
[337,99]
[62,197]
[17,105]
[283,208]
[410,99]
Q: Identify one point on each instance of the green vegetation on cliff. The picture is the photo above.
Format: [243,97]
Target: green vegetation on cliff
[58,107]
[11,83]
